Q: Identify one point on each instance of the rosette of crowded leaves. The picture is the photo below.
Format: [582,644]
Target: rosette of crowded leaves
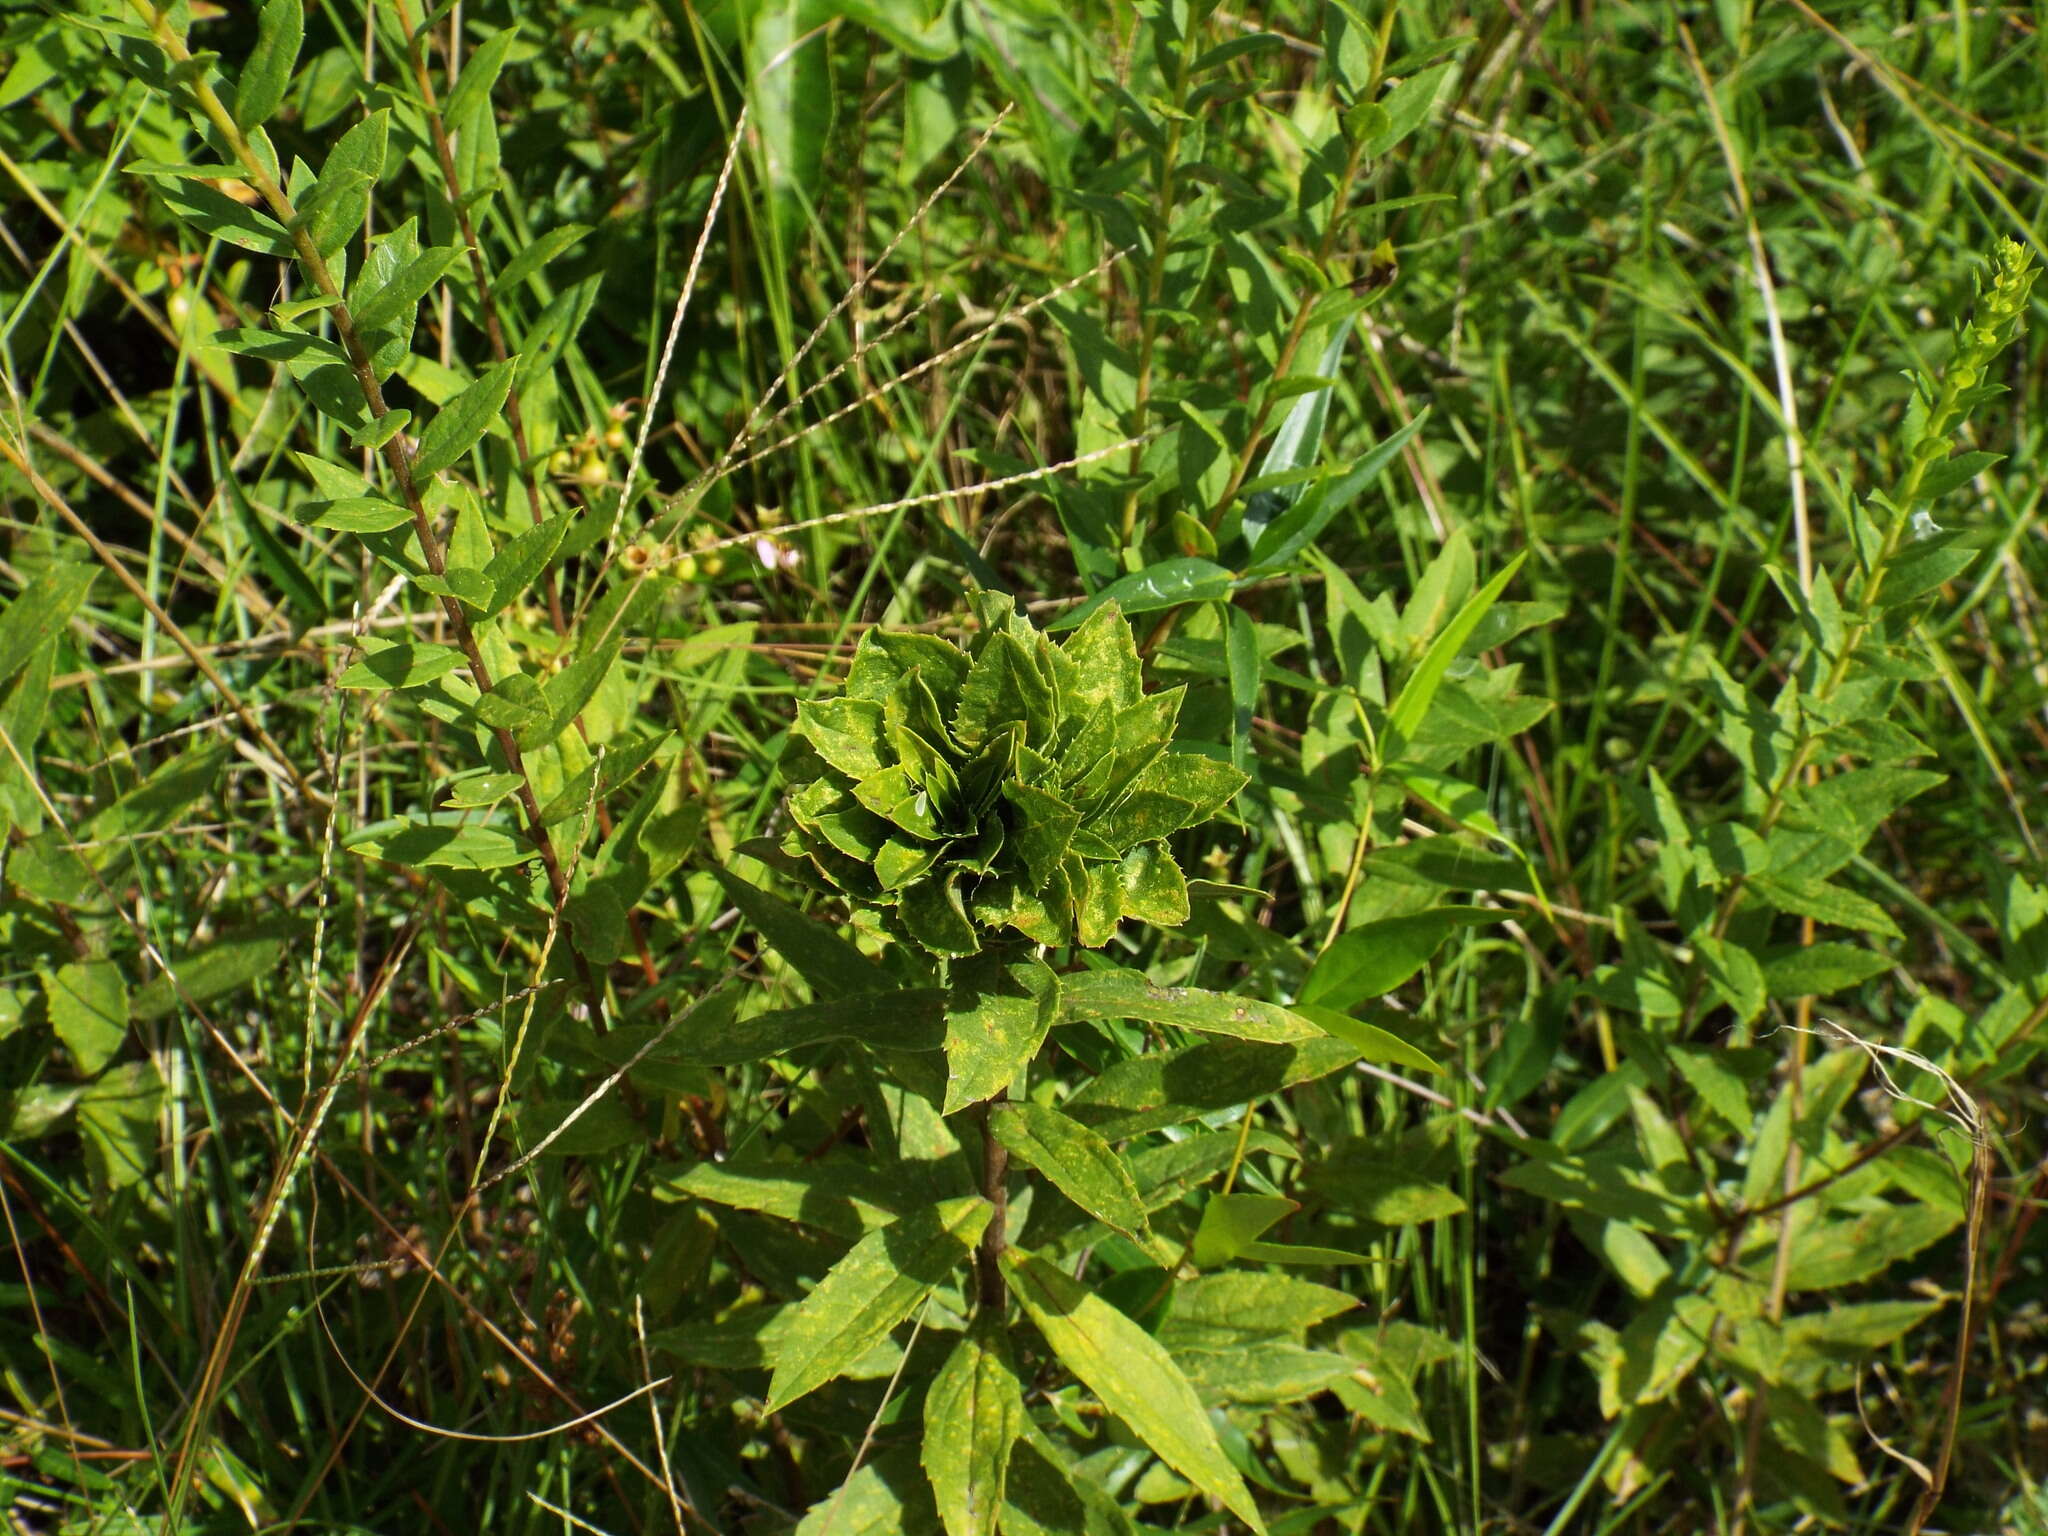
[1016,787]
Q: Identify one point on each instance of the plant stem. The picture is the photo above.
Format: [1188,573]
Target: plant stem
[396,451]
[995,1170]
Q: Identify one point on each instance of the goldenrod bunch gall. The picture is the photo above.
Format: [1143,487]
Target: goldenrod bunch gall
[1016,787]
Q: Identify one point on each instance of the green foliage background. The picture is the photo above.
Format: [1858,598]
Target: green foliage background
[1579,464]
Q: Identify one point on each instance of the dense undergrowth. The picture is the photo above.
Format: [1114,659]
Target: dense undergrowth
[632,637]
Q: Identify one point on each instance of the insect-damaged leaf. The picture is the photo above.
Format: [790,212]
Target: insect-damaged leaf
[972,1418]
[866,1294]
[1132,1373]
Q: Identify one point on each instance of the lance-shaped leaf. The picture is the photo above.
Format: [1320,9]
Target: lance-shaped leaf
[997,1016]
[1076,1161]
[267,73]
[973,1415]
[901,1021]
[1119,994]
[866,1294]
[1132,1374]
[458,424]
[1419,692]
[833,966]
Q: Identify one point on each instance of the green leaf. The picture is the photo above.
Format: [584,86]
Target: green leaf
[38,613]
[88,1005]
[458,425]
[848,1200]
[1105,677]
[1297,444]
[1043,829]
[1821,970]
[1408,105]
[1163,584]
[847,733]
[537,253]
[356,514]
[869,1503]
[834,966]
[212,212]
[911,1020]
[1153,888]
[1167,1088]
[347,177]
[386,300]
[865,1295]
[1369,1041]
[1382,1192]
[267,72]
[1232,1223]
[1005,684]
[791,95]
[516,567]
[1268,1372]
[1419,692]
[934,915]
[118,1116]
[997,1013]
[484,789]
[1825,903]
[467,586]
[1120,994]
[973,1416]
[1132,1374]
[479,75]
[1044,1497]
[226,965]
[1609,1185]
[1241,651]
[1374,958]
[1301,525]
[425,844]
[1240,1306]
[399,664]
[516,704]
[159,799]
[1834,1253]
[1203,784]
[1076,1161]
